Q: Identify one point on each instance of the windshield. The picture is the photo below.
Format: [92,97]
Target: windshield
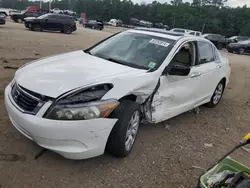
[43,16]
[134,49]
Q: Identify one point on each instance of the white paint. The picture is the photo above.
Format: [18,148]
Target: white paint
[56,75]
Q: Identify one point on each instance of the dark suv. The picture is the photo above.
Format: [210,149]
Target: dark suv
[218,40]
[54,22]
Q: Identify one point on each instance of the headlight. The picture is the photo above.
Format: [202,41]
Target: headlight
[91,110]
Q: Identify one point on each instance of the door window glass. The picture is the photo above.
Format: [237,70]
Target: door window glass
[206,54]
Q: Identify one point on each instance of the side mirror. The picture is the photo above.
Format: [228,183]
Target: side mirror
[177,70]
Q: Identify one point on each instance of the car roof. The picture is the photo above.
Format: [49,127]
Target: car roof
[168,34]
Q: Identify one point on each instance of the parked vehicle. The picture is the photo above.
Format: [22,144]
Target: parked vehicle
[240,47]
[5,11]
[32,9]
[218,40]
[95,24]
[180,30]
[78,104]
[195,33]
[56,10]
[54,22]
[236,39]
[186,31]
[115,22]
[19,17]
[2,19]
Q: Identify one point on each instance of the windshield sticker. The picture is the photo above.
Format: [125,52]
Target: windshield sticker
[151,65]
[159,42]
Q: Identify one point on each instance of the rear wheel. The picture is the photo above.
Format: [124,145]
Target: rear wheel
[219,46]
[19,20]
[241,51]
[123,135]
[67,29]
[217,95]
[36,27]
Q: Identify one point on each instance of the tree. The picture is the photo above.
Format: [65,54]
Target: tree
[218,18]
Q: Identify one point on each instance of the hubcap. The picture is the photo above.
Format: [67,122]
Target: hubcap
[241,51]
[218,93]
[132,130]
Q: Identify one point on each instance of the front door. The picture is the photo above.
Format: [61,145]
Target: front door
[177,94]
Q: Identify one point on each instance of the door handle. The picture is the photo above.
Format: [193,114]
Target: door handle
[195,74]
[218,66]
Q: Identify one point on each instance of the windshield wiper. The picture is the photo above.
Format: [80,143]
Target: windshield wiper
[126,63]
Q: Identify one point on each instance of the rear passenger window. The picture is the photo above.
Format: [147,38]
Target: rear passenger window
[206,53]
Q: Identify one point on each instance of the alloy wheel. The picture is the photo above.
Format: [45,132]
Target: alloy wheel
[132,130]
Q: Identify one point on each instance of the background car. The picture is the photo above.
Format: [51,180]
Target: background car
[2,19]
[241,47]
[95,24]
[19,17]
[54,22]
[236,39]
[218,40]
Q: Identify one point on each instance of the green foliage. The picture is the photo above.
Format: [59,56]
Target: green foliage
[216,17]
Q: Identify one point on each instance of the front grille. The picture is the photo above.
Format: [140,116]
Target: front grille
[27,101]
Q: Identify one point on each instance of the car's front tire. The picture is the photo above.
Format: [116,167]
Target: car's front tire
[123,135]
[67,30]
[217,95]
[36,27]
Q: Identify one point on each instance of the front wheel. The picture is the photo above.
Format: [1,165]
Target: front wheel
[36,27]
[19,20]
[217,95]
[67,30]
[123,135]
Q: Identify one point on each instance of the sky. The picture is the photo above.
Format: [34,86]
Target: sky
[232,3]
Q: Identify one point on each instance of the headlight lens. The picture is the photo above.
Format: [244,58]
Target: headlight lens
[91,110]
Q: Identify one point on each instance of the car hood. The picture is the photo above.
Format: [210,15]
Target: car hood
[58,74]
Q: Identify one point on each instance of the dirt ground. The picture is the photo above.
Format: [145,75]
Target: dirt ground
[164,154]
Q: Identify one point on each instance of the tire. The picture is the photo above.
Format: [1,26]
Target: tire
[217,95]
[123,135]
[241,51]
[36,27]
[19,20]
[93,27]
[67,30]
[219,46]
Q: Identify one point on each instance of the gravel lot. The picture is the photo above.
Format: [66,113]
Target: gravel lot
[164,153]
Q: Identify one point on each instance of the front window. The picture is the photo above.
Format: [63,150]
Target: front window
[134,49]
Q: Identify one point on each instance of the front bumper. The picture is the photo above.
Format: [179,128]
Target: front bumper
[2,21]
[71,139]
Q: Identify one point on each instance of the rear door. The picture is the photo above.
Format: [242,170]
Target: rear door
[52,23]
[209,69]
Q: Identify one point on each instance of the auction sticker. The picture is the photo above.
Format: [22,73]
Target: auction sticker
[159,42]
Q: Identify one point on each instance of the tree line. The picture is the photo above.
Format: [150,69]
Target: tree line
[213,14]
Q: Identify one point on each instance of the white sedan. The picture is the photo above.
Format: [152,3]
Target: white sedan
[82,103]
